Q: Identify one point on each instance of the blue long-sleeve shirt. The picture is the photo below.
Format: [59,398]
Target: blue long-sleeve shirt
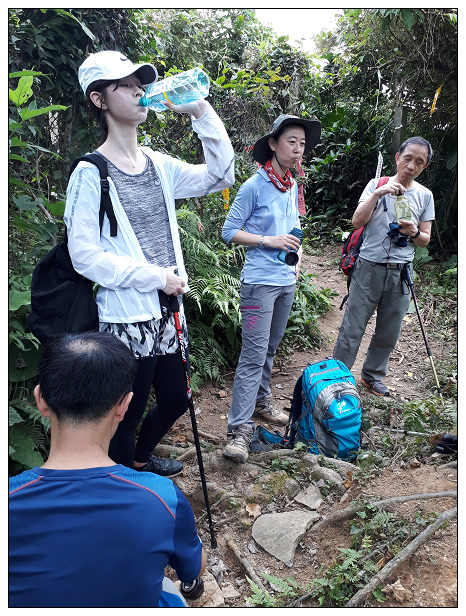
[262,209]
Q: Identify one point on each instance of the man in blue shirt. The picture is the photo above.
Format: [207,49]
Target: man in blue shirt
[84,531]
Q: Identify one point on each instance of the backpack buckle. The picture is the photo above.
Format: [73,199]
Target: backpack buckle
[105,186]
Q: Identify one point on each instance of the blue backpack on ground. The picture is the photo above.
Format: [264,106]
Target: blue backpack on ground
[326,411]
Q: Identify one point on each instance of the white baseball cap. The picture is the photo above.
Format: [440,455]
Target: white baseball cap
[113,65]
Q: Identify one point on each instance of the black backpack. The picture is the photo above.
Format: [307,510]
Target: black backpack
[62,301]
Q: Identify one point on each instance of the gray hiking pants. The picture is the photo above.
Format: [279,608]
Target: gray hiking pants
[373,287]
[264,310]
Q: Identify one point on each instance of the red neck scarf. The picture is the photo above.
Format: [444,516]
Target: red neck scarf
[282,184]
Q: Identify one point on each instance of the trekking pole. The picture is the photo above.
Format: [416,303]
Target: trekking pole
[169,305]
[408,432]
[408,280]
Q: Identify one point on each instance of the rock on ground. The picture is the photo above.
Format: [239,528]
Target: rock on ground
[280,533]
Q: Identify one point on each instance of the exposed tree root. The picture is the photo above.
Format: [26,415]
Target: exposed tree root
[210,437]
[217,502]
[344,514]
[249,570]
[382,576]
[453,464]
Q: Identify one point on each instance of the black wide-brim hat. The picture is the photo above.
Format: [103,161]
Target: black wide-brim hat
[262,152]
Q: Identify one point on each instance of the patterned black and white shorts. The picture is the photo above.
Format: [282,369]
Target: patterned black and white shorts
[149,338]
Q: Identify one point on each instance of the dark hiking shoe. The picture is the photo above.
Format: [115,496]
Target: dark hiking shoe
[266,410]
[376,387]
[237,447]
[166,467]
[448,445]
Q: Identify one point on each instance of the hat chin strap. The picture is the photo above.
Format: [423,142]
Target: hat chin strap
[276,158]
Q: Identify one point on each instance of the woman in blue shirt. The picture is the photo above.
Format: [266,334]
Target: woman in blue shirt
[264,212]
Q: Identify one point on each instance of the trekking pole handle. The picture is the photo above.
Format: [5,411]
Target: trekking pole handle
[407,275]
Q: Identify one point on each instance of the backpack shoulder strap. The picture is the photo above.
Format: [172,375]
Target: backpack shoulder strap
[383,180]
[106,206]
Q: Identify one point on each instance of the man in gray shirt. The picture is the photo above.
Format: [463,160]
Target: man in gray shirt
[376,280]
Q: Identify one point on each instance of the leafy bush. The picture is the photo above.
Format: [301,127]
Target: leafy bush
[32,232]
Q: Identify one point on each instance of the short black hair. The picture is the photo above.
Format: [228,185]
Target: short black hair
[83,376]
[417,141]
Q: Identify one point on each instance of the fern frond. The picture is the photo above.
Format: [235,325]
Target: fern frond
[194,248]
[36,432]
[208,357]
[351,557]
[260,597]
[280,585]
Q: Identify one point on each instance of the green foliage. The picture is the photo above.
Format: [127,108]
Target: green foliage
[429,415]
[421,256]
[32,232]
[374,534]
[28,433]
[212,303]
[382,59]
[289,465]
[259,596]
[343,578]
[284,590]
[309,303]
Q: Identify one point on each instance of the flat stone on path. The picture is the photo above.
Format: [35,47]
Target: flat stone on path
[280,533]
[310,496]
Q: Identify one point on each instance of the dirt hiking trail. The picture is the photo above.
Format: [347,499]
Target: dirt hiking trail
[427,579]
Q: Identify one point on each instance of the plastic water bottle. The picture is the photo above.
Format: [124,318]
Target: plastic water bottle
[291,258]
[402,209]
[185,87]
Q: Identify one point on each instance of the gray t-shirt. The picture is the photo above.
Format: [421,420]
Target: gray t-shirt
[377,245]
[142,199]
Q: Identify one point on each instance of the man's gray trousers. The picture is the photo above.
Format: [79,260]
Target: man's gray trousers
[373,287]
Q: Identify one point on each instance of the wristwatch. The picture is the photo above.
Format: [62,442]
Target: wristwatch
[413,237]
[261,242]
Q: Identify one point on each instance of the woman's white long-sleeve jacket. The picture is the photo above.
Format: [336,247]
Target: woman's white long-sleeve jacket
[128,283]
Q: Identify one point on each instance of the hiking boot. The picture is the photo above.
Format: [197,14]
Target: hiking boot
[376,387]
[237,447]
[266,410]
[166,467]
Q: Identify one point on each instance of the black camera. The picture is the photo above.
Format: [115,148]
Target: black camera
[192,590]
